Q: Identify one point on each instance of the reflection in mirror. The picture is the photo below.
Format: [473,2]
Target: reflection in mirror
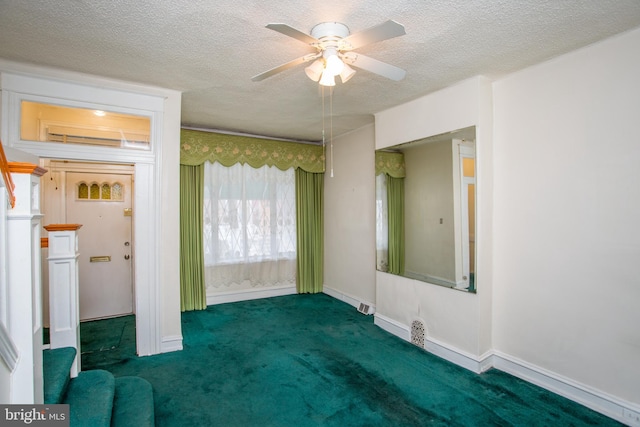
[71,125]
[425,210]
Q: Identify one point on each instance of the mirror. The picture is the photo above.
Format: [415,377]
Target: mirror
[425,209]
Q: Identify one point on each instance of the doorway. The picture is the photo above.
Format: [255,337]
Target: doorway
[155,195]
[102,204]
[98,196]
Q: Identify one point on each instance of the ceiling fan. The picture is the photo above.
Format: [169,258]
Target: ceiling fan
[334,51]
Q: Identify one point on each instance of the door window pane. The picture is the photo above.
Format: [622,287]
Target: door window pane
[105,191]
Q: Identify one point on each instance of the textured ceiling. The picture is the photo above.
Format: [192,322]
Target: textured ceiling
[211,49]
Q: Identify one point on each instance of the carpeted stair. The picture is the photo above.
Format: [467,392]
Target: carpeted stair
[56,366]
[96,398]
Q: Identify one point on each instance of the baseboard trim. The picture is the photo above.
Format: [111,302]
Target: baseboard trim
[392,326]
[477,364]
[171,343]
[349,299]
[611,406]
[440,349]
[249,294]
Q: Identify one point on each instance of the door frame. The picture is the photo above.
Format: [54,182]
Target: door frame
[148,165]
[461,149]
[54,193]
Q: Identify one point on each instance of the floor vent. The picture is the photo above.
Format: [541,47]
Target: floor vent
[364,308]
[417,333]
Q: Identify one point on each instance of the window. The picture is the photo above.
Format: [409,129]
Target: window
[103,192]
[72,125]
[249,215]
[382,224]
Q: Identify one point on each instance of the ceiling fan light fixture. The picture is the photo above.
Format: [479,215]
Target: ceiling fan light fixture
[327,79]
[347,73]
[314,71]
[334,64]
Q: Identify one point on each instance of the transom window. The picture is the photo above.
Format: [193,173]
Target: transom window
[71,125]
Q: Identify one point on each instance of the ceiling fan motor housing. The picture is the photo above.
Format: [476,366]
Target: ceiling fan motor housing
[329,33]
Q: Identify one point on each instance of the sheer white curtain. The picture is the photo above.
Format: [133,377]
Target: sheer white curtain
[249,226]
[382,223]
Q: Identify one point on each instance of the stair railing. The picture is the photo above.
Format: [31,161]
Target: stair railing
[6,176]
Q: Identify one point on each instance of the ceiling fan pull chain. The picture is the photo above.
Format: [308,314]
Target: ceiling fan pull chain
[331,126]
[323,137]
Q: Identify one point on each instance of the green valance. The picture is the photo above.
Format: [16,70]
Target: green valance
[390,163]
[196,147]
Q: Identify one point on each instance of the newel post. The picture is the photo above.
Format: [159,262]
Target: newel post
[64,311]
[24,285]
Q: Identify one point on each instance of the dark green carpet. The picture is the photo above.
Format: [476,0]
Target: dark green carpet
[132,403]
[90,399]
[101,335]
[310,360]
[56,365]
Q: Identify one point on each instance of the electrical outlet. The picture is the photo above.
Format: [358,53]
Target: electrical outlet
[631,418]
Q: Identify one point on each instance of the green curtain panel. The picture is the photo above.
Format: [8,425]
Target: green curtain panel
[310,227]
[196,147]
[391,163]
[395,201]
[193,295]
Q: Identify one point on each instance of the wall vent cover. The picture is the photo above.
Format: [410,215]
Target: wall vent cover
[417,333]
[364,308]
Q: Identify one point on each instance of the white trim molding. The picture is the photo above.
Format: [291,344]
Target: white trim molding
[249,294]
[392,326]
[8,350]
[477,364]
[611,406]
[171,343]
[438,348]
[349,299]
[156,217]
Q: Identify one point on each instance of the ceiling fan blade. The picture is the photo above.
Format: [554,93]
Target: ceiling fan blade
[373,65]
[292,32]
[384,31]
[285,66]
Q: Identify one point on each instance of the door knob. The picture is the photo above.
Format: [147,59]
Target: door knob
[126,256]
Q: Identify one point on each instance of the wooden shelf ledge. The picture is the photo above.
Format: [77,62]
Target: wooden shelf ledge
[62,227]
[30,168]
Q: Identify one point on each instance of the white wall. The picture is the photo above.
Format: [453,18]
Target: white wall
[558,204]
[349,218]
[457,320]
[567,205]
